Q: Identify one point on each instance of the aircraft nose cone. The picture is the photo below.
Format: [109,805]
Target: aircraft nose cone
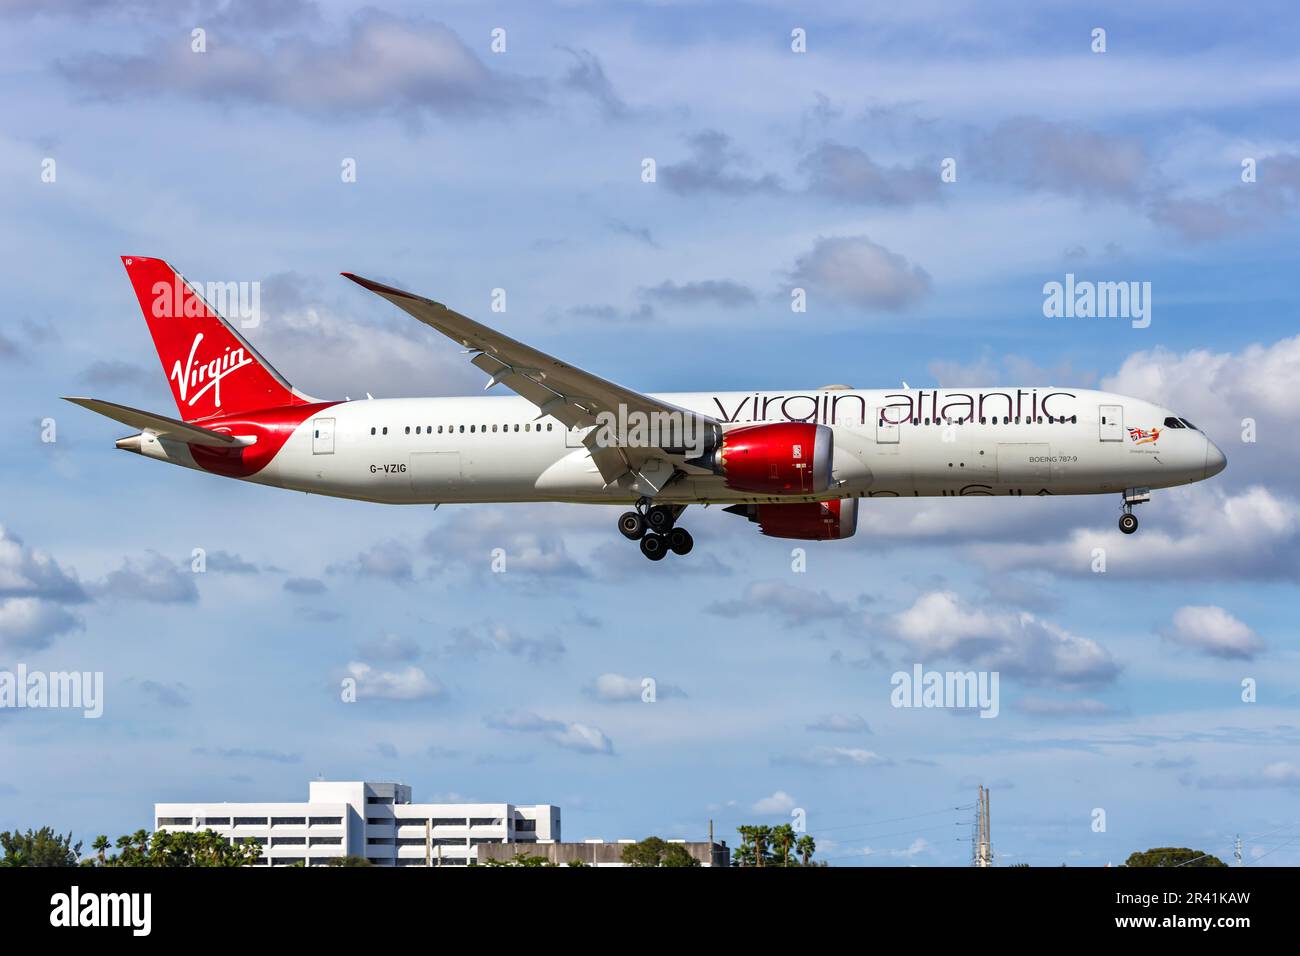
[1215,460]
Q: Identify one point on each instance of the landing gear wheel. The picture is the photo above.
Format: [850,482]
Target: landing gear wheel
[654,546]
[1128,523]
[632,525]
[660,518]
[680,540]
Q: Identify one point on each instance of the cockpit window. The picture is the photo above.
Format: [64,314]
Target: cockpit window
[1189,424]
[1173,423]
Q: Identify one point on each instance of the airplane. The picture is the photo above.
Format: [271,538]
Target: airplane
[796,463]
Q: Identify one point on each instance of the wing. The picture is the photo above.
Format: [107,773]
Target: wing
[568,394]
[158,424]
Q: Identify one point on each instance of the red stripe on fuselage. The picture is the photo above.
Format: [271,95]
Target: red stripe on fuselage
[272,428]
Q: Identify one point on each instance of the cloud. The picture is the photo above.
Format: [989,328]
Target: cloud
[1252,535]
[470,536]
[586,75]
[175,695]
[841,724]
[853,270]
[224,562]
[383,64]
[1283,773]
[1213,631]
[391,647]
[1219,391]
[940,625]
[337,340]
[1242,208]
[779,802]
[794,605]
[639,233]
[387,560]
[32,624]
[496,638]
[1057,157]
[915,848]
[833,757]
[570,735]
[245,753]
[1052,707]
[304,585]
[715,166]
[846,173]
[154,579]
[408,683]
[114,373]
[720,292]
[617,687]
[31,572]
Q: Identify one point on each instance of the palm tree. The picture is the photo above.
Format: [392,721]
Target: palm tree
[806,846]
[783,837]
[762,837]
[101,846]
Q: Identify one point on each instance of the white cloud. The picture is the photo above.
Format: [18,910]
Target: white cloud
[617,687]
[30,624]
[940,625]
[841,724]
[570,735]
[31,572]
[1213,631]
[779,802]
[856,271]
[1251,534]
[408,683]
[154,579]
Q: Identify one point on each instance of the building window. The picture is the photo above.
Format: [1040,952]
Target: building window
[176,821]
[288,821]
[250,821]
[326,841]
[216,821]
[289,841]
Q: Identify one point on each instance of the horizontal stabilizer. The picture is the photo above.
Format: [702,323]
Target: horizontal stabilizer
[158,424]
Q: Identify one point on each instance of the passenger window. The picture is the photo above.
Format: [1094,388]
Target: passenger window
[528,426]
[462,429]
[372,430]
[549,426]
[471,429]
[417,429]
[516,428]
[385,429]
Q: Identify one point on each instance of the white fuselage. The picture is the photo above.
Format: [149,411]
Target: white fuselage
[912,442]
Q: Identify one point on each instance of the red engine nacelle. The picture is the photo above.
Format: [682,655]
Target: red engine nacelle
[809,521]
[782,458]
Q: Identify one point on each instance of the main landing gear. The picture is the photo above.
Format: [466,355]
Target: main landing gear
[1128,522]
[655,527]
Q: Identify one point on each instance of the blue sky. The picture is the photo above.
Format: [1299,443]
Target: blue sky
[521,170]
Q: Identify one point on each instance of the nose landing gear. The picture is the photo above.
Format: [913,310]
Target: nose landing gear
[655,527]
[1128,522]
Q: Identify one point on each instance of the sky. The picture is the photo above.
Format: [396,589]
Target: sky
[1169,157]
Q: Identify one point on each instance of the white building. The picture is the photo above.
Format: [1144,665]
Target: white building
[374,820]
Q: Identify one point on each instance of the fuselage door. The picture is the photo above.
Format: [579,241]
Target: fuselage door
[322,436]
[1110,420]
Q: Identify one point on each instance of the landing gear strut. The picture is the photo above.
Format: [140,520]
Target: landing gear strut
[655,527]
[1128,522]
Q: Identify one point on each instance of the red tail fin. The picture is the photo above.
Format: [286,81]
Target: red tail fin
[211,368]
